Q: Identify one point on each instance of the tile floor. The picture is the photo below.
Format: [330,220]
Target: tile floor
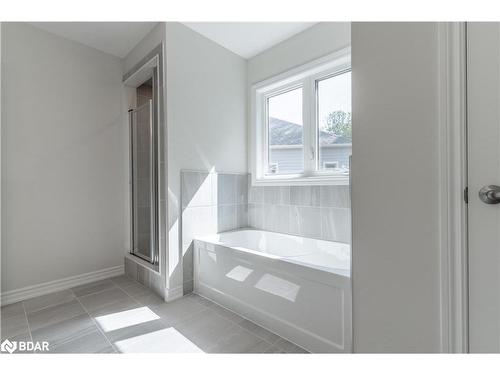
[119,315]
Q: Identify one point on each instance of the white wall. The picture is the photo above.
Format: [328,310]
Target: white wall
[1,26]
[395,187]
[206,116]
[63,170]
[315,42]
[148,43]
[206,112]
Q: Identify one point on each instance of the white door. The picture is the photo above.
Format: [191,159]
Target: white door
[483,105]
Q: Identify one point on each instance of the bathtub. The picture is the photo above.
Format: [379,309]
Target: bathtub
[296,287]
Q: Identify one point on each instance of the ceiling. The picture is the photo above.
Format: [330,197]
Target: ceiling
[248,39]
[115,38]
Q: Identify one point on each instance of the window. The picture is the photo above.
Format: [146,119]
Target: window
[334,124]
[302,124]
[284,133]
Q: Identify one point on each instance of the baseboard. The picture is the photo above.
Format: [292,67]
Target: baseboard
[21,294]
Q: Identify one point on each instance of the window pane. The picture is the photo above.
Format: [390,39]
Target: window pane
[334,123]
[285,133]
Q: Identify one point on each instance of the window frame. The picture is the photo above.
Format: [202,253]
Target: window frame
[306,76]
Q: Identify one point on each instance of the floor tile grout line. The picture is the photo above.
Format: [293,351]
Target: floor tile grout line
[27,321]
[48,306]
[267,341]
[238,325]
[93,320]
[229,321]
[62,290]
[248,331]
[99,291]
[95,324]
[74,296]
[210,307]
[115,285]
[124,291]
[77,299]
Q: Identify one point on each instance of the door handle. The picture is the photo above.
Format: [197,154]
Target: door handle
[490,194]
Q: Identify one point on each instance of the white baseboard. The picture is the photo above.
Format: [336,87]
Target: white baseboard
[21,294]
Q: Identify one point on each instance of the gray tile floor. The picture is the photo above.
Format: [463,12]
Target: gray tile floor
[119,315]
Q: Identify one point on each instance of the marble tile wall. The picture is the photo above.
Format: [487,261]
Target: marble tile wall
[321,212]
[211,203]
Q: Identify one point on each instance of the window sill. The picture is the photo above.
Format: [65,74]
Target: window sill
[301,181]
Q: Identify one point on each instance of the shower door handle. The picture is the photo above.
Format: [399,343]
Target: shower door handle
[490,194]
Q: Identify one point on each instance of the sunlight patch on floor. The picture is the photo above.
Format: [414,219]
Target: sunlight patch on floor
[127,318]
[167,340]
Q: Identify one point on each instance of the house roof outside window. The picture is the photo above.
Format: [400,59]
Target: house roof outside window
[284,133]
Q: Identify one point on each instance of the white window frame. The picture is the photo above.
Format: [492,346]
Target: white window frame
[305,76]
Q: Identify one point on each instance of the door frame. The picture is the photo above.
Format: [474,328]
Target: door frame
[453,229]
[151,66]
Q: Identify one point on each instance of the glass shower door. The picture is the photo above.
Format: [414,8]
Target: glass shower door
[143,183]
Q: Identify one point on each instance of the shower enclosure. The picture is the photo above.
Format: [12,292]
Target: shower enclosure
[144,87]
[144,182]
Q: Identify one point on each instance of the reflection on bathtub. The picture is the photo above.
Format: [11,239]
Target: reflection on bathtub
[212,256]
[278,286]
[239,273]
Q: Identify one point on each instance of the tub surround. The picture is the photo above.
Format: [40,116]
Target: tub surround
[217,202]
[211,203]
[321,212]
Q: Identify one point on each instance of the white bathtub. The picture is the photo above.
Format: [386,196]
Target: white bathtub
[297,287]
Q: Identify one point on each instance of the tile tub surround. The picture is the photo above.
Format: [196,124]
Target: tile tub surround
[216,202]
[119,315]
[211,202]
[321,212]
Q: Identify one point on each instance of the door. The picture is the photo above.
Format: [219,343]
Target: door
[143,183]
[483,122]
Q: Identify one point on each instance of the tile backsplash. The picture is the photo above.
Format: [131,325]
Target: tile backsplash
[321,212]
[216,202]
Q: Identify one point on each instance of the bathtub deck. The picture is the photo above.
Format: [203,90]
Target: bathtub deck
[118,315]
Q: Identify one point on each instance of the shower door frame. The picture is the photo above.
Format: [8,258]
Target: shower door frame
[153,196]
[153,61]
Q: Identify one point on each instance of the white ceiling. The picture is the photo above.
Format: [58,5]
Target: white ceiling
[248,39]
[115,38]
